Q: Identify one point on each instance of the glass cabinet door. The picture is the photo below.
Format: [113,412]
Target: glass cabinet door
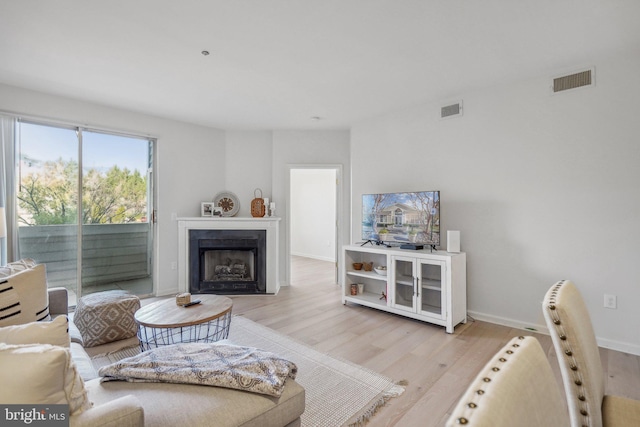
[404,284]
[431,292]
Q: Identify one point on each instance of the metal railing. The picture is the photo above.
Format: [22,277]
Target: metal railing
[110,252]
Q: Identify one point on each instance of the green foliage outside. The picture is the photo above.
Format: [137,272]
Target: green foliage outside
[49,196]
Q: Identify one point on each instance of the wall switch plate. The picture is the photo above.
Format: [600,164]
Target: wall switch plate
[610,301]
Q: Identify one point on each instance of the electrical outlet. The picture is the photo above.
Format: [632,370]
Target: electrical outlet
[174,216]
[174,265]
[610,301]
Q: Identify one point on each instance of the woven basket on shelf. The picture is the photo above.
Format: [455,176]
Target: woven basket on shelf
[257,204]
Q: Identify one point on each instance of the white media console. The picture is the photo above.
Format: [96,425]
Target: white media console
[425,285]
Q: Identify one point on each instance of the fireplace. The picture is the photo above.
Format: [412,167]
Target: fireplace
[232,225]
[227,262]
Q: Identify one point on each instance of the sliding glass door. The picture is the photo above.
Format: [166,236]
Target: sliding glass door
[85,207]
[47,207]
[116,213]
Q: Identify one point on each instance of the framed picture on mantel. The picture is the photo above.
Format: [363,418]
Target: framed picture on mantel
[206,209]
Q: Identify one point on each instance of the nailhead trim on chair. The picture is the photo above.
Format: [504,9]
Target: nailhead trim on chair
[487,380]
[577,377]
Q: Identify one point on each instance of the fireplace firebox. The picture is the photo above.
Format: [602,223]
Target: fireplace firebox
[227,262]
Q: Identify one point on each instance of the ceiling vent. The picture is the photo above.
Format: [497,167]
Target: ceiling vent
[453,110]
[577,80]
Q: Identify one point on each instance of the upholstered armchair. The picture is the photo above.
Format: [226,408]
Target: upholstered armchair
[575,343]
[515,388]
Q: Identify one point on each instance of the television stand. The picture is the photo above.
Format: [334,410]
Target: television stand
[422,285]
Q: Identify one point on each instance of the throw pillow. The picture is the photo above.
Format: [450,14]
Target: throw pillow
[17,266]
[55,332]
[41,374]
[24,297]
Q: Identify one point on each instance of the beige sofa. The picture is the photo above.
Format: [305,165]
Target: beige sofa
[159,404]
[118,403]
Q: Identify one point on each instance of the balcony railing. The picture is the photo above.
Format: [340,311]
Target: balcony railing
[110,252]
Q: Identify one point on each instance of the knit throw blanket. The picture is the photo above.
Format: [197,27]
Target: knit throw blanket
[211,364]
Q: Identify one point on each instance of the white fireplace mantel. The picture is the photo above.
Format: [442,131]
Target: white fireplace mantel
[270,224]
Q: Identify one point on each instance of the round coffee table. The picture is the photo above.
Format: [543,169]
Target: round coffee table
[164,322]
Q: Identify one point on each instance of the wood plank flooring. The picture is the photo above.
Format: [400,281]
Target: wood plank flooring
[436,366]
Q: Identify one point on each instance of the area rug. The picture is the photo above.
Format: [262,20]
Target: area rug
[338,392]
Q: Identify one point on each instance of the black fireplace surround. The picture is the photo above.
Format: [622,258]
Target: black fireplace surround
[227,262]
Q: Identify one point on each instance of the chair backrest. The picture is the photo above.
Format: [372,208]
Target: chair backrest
[575,343]
[515,388]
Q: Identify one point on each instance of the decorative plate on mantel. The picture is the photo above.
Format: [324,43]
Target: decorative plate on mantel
[228,202]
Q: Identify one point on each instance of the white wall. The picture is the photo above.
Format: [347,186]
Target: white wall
[308,147]
[313,213]
[543,187]
[261,159]
[248,159]
[191,162]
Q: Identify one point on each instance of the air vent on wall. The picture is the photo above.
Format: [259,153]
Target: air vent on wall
[453,110]
[574,81]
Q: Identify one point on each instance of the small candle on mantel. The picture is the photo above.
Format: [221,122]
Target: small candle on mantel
[272,208]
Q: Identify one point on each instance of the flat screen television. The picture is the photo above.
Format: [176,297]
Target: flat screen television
[401,218]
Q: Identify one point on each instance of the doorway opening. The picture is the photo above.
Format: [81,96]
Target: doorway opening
[314,206]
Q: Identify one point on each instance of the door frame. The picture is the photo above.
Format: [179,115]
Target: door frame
[152,199]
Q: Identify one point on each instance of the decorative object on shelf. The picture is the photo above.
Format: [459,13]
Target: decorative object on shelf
[266,206]
[228,202]
[368,266]
[453,241]
[206,209]
[357,266]
[383,296]
[272,209]
[257,204]
[217,211]
[354,289]
[360,288]
[382,270]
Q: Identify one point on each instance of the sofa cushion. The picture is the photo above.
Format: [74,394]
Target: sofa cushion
[55,332]
[125,411]
[106,317]
[23,293]
[83,362]
[187,405]
[40,374]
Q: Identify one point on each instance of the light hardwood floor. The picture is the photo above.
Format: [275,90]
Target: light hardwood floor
[435,365]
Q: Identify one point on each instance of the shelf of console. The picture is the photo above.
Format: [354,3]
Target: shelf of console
[367,274]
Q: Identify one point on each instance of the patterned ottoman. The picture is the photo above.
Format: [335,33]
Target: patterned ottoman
[105,317]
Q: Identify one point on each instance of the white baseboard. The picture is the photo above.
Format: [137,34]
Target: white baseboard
[624,347]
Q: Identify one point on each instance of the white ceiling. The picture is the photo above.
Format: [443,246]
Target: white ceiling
[276,63]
